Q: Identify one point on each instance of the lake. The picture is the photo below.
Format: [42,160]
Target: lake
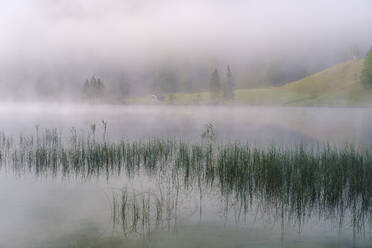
[73,211]
[262,125]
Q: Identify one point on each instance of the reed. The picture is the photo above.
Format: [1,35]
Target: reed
[292,183]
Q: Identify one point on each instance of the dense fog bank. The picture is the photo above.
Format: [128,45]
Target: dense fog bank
[49,48]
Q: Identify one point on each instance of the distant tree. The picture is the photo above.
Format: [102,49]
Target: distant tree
[165,81]
[93,82]
[86,86]
[124,88]
[93,88]
[215,84]
[366,75]
[188,85]
[228,87]
[86,89]
[99,90]
[171,98]
[45,89]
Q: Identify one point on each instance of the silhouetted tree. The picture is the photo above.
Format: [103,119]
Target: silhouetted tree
[86,86]
[188,85]
[93,88]
[228,88]
[99,90]
[366,76]
[215,84]
[165,81]
[124,88]
[171,98]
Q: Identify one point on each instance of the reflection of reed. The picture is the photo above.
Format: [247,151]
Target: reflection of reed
[140,213]
[291,184]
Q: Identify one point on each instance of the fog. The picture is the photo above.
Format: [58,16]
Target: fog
[52,50]
[254,125]
[53,46]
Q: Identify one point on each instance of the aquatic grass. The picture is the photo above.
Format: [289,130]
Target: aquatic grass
[291,183]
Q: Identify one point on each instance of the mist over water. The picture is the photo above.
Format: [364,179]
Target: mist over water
[76,171]
[50,210]
[255,125]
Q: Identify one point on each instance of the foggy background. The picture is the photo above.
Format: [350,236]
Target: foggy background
[48,48]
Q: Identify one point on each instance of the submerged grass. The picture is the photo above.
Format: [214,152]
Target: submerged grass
[291,183]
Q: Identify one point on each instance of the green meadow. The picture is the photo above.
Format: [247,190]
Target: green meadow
[337,86]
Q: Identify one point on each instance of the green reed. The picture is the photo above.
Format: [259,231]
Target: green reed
[291,183]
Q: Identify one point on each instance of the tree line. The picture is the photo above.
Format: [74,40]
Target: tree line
[168,82]
[224,89]
[163,83]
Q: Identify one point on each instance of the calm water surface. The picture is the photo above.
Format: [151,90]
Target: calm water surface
[55,212]
[261,125]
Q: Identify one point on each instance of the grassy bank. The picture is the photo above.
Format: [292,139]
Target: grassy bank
[338,85]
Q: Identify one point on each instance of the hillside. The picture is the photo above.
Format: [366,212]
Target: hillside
[335,78]
[338,85]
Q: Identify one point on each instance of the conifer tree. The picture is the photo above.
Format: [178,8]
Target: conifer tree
[366,76]
[228,89]
[215,84]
